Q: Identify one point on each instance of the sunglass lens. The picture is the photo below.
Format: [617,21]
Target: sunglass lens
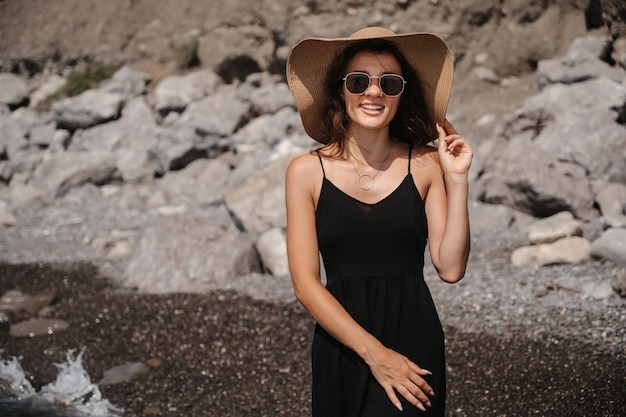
[357,83]
[392,85]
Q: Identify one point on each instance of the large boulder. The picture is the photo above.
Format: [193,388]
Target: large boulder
[60,172]
[130,139]
[176,92]
[191,252]
[543,156]
[219,114]
[611,245]
[259,203]
[87,109]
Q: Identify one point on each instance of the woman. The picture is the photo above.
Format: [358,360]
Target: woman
[369,200]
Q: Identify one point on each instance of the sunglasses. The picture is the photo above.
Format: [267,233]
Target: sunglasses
[392,85]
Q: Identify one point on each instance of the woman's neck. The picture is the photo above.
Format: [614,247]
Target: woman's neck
[368,146]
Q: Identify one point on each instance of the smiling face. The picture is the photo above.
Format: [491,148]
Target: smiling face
[371,110]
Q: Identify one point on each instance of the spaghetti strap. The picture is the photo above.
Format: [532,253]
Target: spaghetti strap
[410,152]
[317,151]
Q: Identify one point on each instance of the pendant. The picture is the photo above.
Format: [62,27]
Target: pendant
[366,184]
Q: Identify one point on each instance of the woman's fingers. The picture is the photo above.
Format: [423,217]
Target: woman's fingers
[455,154]
[441,131]
[412,399]
[393,397]
[398,375]
[415,395]
[455,144]
[413,388]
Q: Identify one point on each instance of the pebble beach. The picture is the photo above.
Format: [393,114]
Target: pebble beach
[511,350]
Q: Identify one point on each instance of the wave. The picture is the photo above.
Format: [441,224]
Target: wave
[72,394]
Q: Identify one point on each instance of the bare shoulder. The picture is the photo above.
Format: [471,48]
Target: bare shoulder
[426,157]
[304,165]
[305,172]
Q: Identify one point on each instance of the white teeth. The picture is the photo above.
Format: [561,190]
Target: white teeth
[372,107]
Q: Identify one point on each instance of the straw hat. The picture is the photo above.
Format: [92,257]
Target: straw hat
[310,59]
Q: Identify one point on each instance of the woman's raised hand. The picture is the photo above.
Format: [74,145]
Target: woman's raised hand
[455,154]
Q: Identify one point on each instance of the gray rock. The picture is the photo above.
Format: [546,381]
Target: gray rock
[553,228]
[598,47]
[259,204]
[191,253]
[38,327]
[596,143]
[87,109]
[135,165]
[138,111]
[7,219]
[613,221]
[619,284]
[13,90]
[570,250]
[272,248]
[60,141]
[117,243]
[24,193]
[612,199]
[127,82]
[176,92]
[48,88]
[201,183]
[489,216]
[531,180]
[574,69]
[43,135]
[219,115]
[486,74]
[123,373]
[611,245]
[255,81]
[270,98]
[598,290]
[533,171]
[130,139]
[264,287]
[13,136]
[60,172]
[269,129]
[178,146]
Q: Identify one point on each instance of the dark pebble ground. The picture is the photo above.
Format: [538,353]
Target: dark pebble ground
[224,354]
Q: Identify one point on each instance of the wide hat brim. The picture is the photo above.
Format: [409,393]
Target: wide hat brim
[310,59]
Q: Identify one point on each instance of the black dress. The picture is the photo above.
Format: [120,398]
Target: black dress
[374,258]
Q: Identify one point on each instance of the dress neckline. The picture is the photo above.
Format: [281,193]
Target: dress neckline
[388,196]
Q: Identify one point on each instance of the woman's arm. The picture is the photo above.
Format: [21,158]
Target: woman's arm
[392,370]
[446,206]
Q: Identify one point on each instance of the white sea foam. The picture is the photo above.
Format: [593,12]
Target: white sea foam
[72,389]
[12,374]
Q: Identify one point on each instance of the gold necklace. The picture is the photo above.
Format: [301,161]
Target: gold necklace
[368,183]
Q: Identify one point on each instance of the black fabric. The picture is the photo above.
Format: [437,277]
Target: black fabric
[374,257]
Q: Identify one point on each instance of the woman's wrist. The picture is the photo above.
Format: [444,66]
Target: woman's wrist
[367,350]
[453,178]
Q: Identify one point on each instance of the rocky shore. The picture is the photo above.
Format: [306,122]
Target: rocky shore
[142,219]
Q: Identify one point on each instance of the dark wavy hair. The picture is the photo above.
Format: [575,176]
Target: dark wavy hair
[412,123]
